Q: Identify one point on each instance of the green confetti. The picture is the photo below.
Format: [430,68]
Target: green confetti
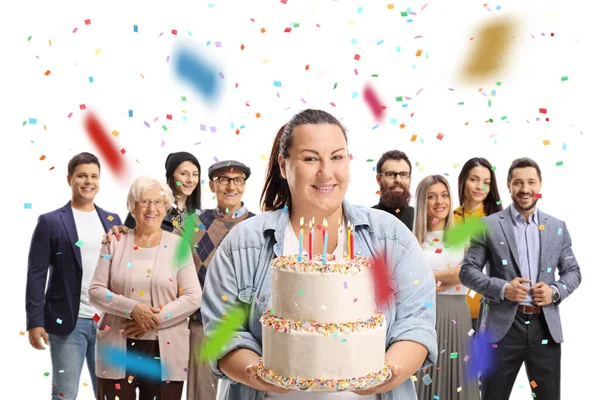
[375,76]
[504,117]
[493,168]
[185,244]
[564,78]
[461,103]
[296,25]
[559,163]
[335,85]
[29,38]
[370,160]
[403,13]
[491,120]
[223,333]
[398,98]
[453,355]
[183,98]
[24,122]
[460,234]
[455,166]
[499,202]
[164,127]
[45,373]
[489,103]
[301,292]
[498,83]
[79,243]
[178,183]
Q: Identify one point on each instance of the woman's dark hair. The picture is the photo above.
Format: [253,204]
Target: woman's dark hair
[523,163]
[193,201]
[276,192]
[81,158]
[490,204]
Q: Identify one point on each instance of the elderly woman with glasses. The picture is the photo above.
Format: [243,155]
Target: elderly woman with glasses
[146,286]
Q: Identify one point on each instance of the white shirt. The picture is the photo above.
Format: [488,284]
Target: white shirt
[440,258]
[89,231]
[291,245]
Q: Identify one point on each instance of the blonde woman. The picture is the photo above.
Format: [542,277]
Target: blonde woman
[433,217]
[146,294]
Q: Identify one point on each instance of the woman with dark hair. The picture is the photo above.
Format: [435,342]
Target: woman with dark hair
[308,175]
[432,220]
[183,177]
[479,197]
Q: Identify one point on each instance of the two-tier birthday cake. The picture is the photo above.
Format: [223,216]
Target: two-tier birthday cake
[323,332]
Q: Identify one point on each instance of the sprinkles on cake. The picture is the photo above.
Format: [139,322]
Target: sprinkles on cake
[291,263]
[287,325]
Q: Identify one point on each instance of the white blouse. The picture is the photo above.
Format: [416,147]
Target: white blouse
[440,258]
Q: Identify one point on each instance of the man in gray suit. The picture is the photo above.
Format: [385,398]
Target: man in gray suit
[524,248]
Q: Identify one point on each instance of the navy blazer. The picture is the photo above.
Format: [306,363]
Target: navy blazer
[53,246]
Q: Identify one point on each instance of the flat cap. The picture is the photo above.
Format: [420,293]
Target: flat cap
[227,165]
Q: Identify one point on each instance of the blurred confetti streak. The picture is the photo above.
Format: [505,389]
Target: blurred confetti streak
[132,361]
[196,72]
[373,101]
[102,140]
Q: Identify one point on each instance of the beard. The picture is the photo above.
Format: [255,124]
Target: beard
[394,200]
[518,207]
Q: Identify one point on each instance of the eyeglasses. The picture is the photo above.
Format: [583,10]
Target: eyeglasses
[391,175]
[157,203]
[224,180]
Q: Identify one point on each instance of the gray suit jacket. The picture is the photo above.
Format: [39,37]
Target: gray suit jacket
[498,243]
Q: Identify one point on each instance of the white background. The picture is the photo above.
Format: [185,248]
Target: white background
[531,79]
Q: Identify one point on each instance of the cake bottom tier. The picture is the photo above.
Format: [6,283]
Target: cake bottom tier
[338,361]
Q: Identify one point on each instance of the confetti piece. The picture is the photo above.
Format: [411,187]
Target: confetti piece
[559,163]
[222,333]
[136,362]
[545,341]
[27,206]
[504,262]
[426,379]
[492,43]
[59,321]
[102,141]
[47,73]
[373,101]
[381,278]
[196,72]
[79,243]
[97,51]
[224,298]
[564,78]
[460,234]
[440,136]
[533,384]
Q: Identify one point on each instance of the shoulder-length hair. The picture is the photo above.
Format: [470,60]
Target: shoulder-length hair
[490,204]
[420,225]
[276,192]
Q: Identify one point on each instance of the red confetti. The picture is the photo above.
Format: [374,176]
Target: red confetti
[82,106]
[103,142]
[87,21]
[284,1]
[381,278]
[537,195]
[169,116]
[542,111]
[357,57]
[438,251]
[287,30]
[440,136]
[122,151]
[174,31]
[373,102]
[74,30]
[96,318]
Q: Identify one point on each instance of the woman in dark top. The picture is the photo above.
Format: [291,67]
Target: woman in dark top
[183,177]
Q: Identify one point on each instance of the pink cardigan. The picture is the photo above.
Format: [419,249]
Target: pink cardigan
[174,287]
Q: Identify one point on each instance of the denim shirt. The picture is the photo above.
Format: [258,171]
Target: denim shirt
[239,274]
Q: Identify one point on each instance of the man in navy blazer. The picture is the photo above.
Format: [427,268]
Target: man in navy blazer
[525,249]
[67,242]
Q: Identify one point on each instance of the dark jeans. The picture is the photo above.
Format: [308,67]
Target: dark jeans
[150,388]
[524,343]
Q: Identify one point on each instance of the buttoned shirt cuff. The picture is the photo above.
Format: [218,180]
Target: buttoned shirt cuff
[503,289]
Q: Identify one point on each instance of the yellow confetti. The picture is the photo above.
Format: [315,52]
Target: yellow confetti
[265,61]
[115,133]
[50,42]
[175,223]
[85,384]
[419,52]
[546,142]
[97,51]
[142,75]
[224,298]
[148,271]
[263,157]
[416,282]
[390,6]
[21,333]
[414,378]
[141,294]
[110,218]
[459,389]
[542,227]
[45,127]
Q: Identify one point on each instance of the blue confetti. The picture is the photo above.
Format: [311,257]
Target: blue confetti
[27,206]
[277,83]
[135,28]
[397,49]
[130,113]
[426,379]
[359,10]
[498,8]
[354,95]
[353,41]
[136,362]
[285,208]
[504,262]
[378,43]
[91,79]
[393,121]
[33,121]
[197,72]
[564,146]
[59,321]
[107,256]
[559,231]
[129,264]
[428,305]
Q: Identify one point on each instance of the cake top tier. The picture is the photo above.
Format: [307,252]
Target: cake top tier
[291,263]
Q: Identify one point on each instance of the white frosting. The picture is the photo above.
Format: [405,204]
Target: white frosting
[310,355]
[322,297]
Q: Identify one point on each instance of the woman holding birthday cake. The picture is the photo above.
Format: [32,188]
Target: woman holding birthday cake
[314,320]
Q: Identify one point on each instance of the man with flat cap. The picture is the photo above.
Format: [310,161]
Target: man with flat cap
[227,179]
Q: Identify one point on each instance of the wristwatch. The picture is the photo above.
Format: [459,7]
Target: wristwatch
[555,295]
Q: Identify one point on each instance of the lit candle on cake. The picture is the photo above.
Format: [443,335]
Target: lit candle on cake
[311,236]
[352,242]
[301,237]
[340,241]
[325,239]
[349,243]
